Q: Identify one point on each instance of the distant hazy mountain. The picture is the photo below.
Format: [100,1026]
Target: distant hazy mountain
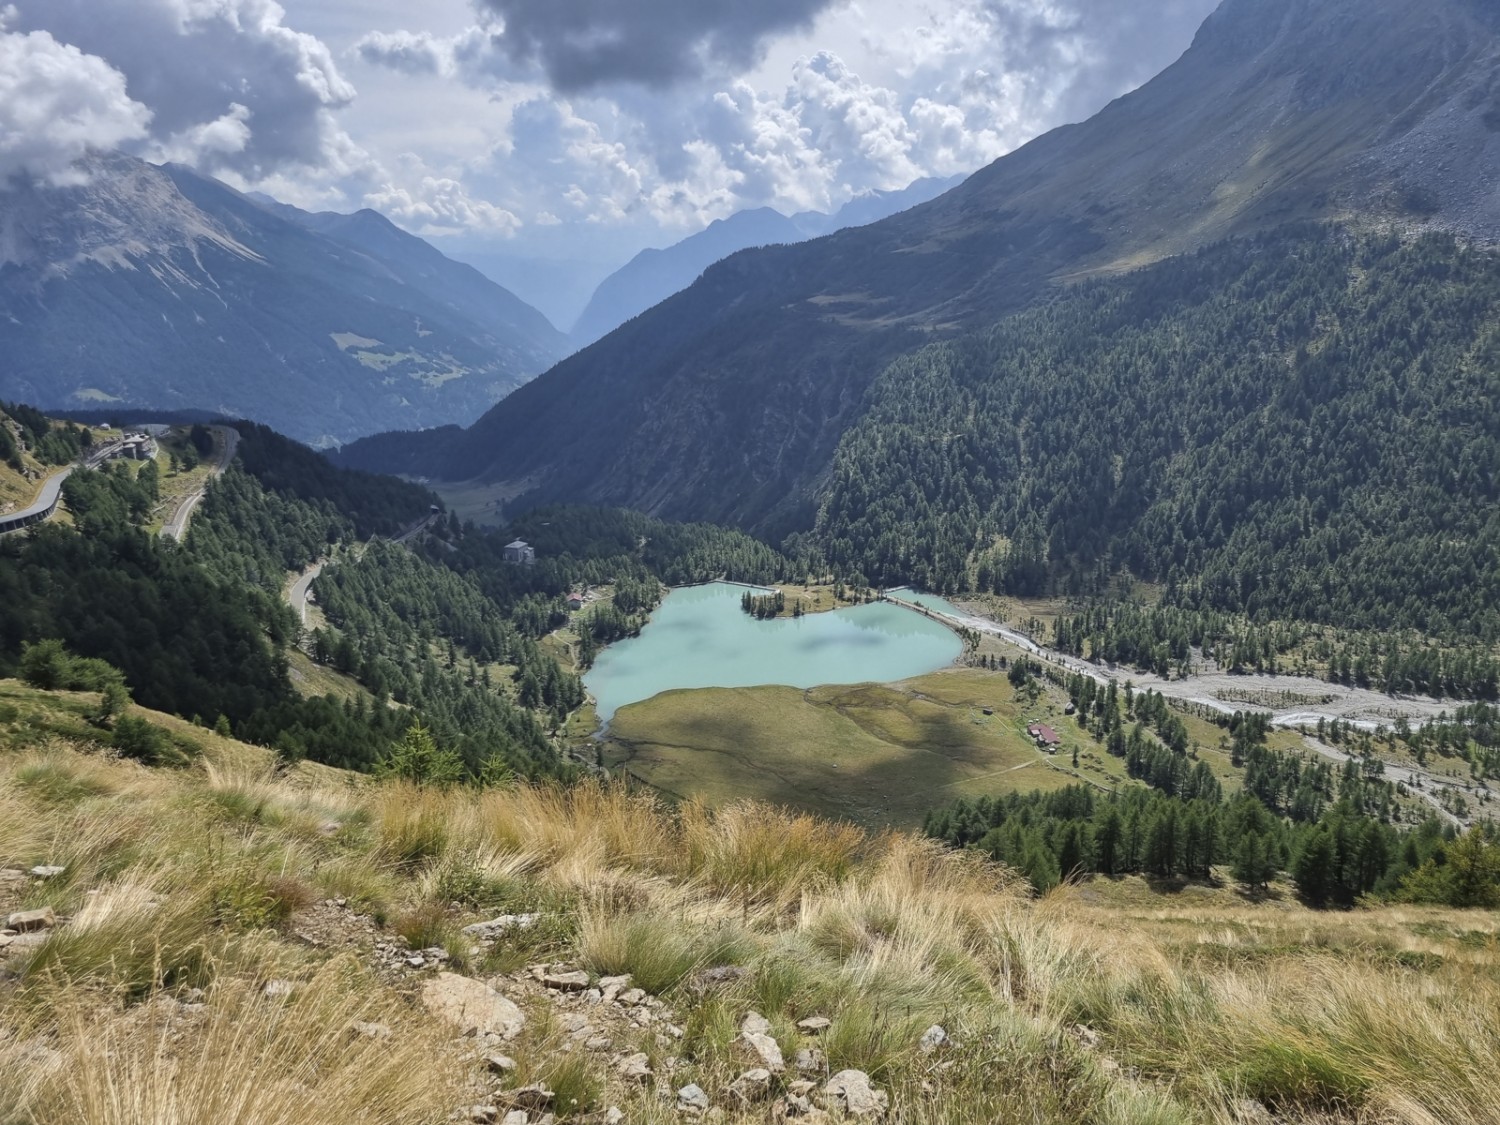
[654,275]
[728,401]
[155,287]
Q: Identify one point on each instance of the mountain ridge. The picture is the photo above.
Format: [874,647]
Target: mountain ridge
[155,287]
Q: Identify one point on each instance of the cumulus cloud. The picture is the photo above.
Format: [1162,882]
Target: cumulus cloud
[56,104]
[583,44]
[433,204]
[407,52]
[231,87]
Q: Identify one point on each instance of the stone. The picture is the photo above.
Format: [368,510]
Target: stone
[814,1025]
[692,1097]
[599,1043]
[575,981]
[635,1068]
[1086,1036]
[850,1091]
[932,1039]
[719,974]
[810,1059]
[472,1006]
[500,1064]
[535,1096]
[24,921]
[752,1086]
[755,1024]
[765,1050]
[495,927]
[515,1117]
[416,961]
[801,1087]
[366,1030]
[46,871]
[483,1114]
[277,989]
[614,1115]
[633,997]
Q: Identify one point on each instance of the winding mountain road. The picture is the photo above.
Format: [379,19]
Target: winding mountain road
[177,524]
[39,509]
[299,589]
[1358,707]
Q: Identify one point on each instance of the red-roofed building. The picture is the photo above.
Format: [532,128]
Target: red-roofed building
[1045,736]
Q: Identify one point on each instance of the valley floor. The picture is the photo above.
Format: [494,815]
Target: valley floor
[237,941]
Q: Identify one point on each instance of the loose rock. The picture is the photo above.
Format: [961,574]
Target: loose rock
[277,989]
[932,1039]
[472,1006]
[46,871]
[755,1024]
[370,1030]
[535,1096]
[810,1059]
[500,1064]
[495,927]
[635,1068]
[814,1025]
[753,1085]
[575,981]
[765,1050]
[692,1097]
[24,921]
[850,1091]
[515,1117]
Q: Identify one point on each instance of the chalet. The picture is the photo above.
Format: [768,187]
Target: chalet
[519,552]
[1046,737]
[575,601]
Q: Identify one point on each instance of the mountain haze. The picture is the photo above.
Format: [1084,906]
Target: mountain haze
[155,287]
[654,275]
[727,401]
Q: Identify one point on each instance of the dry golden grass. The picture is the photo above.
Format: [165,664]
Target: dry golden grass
[1102,1004]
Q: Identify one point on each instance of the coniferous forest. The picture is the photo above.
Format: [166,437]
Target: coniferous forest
[1300,427]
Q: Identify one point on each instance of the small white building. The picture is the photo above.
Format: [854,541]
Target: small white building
[519,552]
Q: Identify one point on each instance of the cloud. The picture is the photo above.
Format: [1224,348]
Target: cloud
[584,44]
[56,104]
[432,204]
[231,88]
[407,52]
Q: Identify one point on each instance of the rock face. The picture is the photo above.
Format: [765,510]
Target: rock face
[850,1091]
[472,1006]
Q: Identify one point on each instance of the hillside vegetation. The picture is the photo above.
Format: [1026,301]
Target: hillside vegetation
[1297,427]
[233,941]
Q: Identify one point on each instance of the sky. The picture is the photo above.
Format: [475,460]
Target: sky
[564,133]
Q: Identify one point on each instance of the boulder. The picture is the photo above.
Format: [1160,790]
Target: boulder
[850,1091]
[472,1006]
[755,1024]
[24,921]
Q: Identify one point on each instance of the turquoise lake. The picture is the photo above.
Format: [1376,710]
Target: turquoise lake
[699,638]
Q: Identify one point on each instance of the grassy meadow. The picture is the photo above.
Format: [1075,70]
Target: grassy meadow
[186,891]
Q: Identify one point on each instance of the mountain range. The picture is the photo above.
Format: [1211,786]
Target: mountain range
[728,401]
[156,287]
[654,275]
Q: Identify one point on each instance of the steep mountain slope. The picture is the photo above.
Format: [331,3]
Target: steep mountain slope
[654,275]
[728,400]
[156,287]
